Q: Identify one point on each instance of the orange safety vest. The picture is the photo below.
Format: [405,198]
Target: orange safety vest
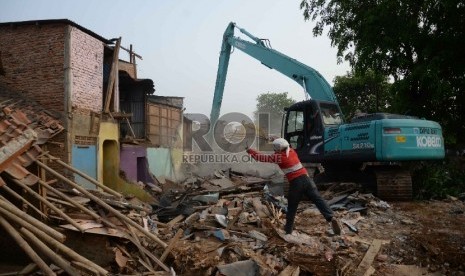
[290,165]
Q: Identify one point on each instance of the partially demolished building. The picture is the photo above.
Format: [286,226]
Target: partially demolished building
[68,104]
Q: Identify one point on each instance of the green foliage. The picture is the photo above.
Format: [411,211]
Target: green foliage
[439,179]
[417,43]
[274,104]
[366,92]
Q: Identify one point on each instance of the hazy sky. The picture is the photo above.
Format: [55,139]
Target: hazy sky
[180,43]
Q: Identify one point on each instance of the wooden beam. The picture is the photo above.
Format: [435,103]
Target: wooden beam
[49,205]
[22,199]
[25,246]
[171,244]
[113,76]
[64,250]
[76,204]
[100,202]
[57,259]
[364,266]
[175,220]
[85,176]
[9,210]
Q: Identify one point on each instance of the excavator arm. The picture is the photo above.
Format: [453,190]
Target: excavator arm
[311,80]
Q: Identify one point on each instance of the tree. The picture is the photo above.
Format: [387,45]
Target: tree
[367,92]
[417,43]
[273,104]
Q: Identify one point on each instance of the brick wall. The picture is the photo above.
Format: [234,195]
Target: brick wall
[87,72]
[33,59]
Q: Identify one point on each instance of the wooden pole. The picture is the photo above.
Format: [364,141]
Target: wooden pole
[15,195]
[64,249]
[56,259]
[103,204]
[139,245]
[29,269]
[26,247]
[76,204]
[85,176]
[151,256]
[9,209]
[113,76]
[171,244]
[50,205]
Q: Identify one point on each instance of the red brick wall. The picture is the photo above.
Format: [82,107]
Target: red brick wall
[33,61]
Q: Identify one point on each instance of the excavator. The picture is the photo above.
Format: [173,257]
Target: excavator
[379,143]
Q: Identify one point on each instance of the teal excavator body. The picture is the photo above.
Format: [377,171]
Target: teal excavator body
[315,128]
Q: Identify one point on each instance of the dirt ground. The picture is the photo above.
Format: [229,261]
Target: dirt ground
[427,234]
[417,238]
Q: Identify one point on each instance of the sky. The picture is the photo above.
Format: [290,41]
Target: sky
[180,41]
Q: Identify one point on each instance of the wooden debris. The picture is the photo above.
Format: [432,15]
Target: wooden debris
[260,209]
[11,212]
[171,244]
[49,253]
[369,257]
[26,247]
[102,204]
[175,220]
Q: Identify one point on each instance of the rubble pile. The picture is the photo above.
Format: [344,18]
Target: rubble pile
[225,224]
[229,223]
[239,227]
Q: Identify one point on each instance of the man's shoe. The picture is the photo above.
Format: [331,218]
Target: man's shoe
[336,226]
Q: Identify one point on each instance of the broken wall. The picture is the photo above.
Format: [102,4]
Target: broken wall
[108,156]
[85,86]
[134,163]
[161,163]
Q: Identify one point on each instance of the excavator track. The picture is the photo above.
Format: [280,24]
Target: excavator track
[388,182]
[394,184]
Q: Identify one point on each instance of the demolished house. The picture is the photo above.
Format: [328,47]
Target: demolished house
[63,71]
[72,74]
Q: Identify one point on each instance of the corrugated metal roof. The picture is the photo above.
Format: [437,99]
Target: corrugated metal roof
[57,21]
[173,101]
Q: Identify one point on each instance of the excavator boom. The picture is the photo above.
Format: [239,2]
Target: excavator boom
[311,80]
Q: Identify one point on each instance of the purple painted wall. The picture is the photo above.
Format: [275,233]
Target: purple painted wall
[134,163]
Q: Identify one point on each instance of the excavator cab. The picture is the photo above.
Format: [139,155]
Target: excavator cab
[304,127]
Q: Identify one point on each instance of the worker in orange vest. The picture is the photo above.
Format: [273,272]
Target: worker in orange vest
[299,183]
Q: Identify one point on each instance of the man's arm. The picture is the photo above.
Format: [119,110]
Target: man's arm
[261,157]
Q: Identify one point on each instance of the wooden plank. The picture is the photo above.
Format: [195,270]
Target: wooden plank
[113,76]
[171,244]
[175,220]
[369,257]
[371,270]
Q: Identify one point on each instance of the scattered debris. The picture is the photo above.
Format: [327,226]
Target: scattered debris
[229,224]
